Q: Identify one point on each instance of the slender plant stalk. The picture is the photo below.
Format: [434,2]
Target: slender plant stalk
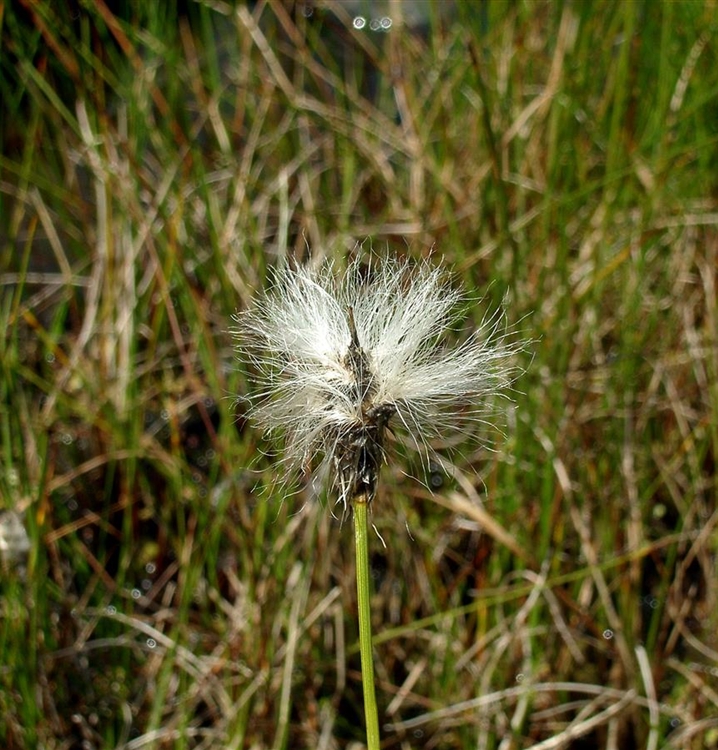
[339,357]
[361,526]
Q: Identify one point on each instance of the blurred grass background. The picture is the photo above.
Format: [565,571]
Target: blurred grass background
[559,590]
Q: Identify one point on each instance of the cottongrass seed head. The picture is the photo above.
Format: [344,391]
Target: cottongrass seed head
[342,359]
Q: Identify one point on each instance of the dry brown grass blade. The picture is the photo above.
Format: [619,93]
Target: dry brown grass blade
[462,505]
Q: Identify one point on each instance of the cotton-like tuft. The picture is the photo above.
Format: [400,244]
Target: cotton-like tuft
[341,358]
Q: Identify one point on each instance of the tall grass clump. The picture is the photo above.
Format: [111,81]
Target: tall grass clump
[160,165]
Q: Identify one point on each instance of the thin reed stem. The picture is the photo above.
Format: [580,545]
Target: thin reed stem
[361,526]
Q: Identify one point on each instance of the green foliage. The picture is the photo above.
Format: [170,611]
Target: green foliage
[155,160]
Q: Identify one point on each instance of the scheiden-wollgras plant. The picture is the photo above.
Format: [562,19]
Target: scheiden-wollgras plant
[341,360]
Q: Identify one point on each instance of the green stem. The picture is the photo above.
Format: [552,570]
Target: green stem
[361,526]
